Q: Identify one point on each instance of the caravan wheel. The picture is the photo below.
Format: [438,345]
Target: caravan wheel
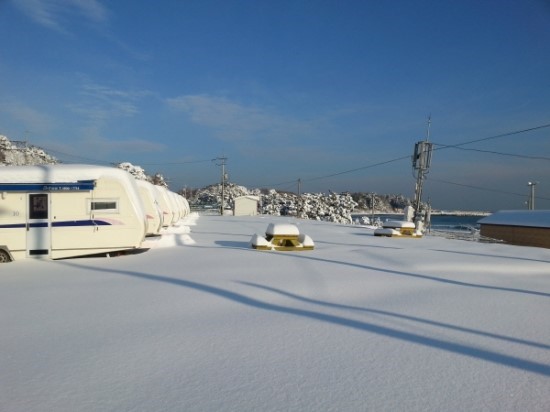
[4,256]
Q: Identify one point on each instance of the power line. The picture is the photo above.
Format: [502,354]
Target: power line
[494,152]
[485,189]
[177,163]
[455,146]
[498,136]
[458,145]
[288,182]
[290,186]
[340,173]
[79,157]
[96,161]
[357,169]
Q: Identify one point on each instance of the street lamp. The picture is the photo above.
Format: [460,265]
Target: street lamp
[532,195]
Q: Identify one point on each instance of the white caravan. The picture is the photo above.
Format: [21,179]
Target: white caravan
[178,212]
[148,195]
[61,211]
[165,206]
[183,204]
[186,209]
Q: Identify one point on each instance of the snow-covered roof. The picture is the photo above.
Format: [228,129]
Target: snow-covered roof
[58,173]
[250,197]
[529,218]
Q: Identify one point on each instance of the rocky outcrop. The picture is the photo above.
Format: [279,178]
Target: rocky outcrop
[21,154]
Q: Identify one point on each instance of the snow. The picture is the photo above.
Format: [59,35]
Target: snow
[20,153]
[398,224]
[282,229]
[60,173]
[202,322]
[532,218]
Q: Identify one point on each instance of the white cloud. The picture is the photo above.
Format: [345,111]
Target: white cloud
[32,119]
[234,121]
[219,112]
[52,13]
[129,146]
[101,103]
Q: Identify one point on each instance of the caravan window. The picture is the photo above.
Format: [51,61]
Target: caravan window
[103,205]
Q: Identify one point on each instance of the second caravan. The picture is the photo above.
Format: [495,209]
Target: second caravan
[153,211]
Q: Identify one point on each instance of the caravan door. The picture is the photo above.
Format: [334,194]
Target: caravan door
[38,225]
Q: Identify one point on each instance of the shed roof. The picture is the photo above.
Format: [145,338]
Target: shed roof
[248,197]
[527,218]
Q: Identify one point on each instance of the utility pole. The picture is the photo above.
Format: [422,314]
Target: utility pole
[372,208]
[222,163]
[531,203]
[299,187]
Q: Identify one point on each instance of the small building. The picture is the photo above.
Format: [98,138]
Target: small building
[518,227]
[246,205]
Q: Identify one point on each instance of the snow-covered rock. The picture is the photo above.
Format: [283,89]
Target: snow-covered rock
[21,153]
[332,207]
[139,173]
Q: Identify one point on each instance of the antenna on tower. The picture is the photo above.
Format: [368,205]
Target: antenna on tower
[429,127]
[421,161]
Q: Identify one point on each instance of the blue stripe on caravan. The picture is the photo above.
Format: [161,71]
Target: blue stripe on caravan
[13,226]
[81,185]
[42,224]
[58,224]
[19,225]
[81,223]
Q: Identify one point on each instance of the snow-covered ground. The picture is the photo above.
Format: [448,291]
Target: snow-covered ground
[202,322]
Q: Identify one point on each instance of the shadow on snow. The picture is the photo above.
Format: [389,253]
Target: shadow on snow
[453,347]
[397,315]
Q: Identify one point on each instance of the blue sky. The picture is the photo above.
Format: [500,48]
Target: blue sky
[321,91]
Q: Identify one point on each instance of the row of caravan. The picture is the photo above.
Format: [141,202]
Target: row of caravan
[61,211]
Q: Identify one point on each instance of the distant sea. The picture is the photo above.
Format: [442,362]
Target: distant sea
[438,222]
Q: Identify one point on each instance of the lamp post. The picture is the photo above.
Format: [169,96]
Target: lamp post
[532,195]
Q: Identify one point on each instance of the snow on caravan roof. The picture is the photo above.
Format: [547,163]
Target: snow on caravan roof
[70,174]
[527,218]
[58,173]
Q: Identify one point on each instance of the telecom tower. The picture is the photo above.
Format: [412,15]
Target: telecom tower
[421,160]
